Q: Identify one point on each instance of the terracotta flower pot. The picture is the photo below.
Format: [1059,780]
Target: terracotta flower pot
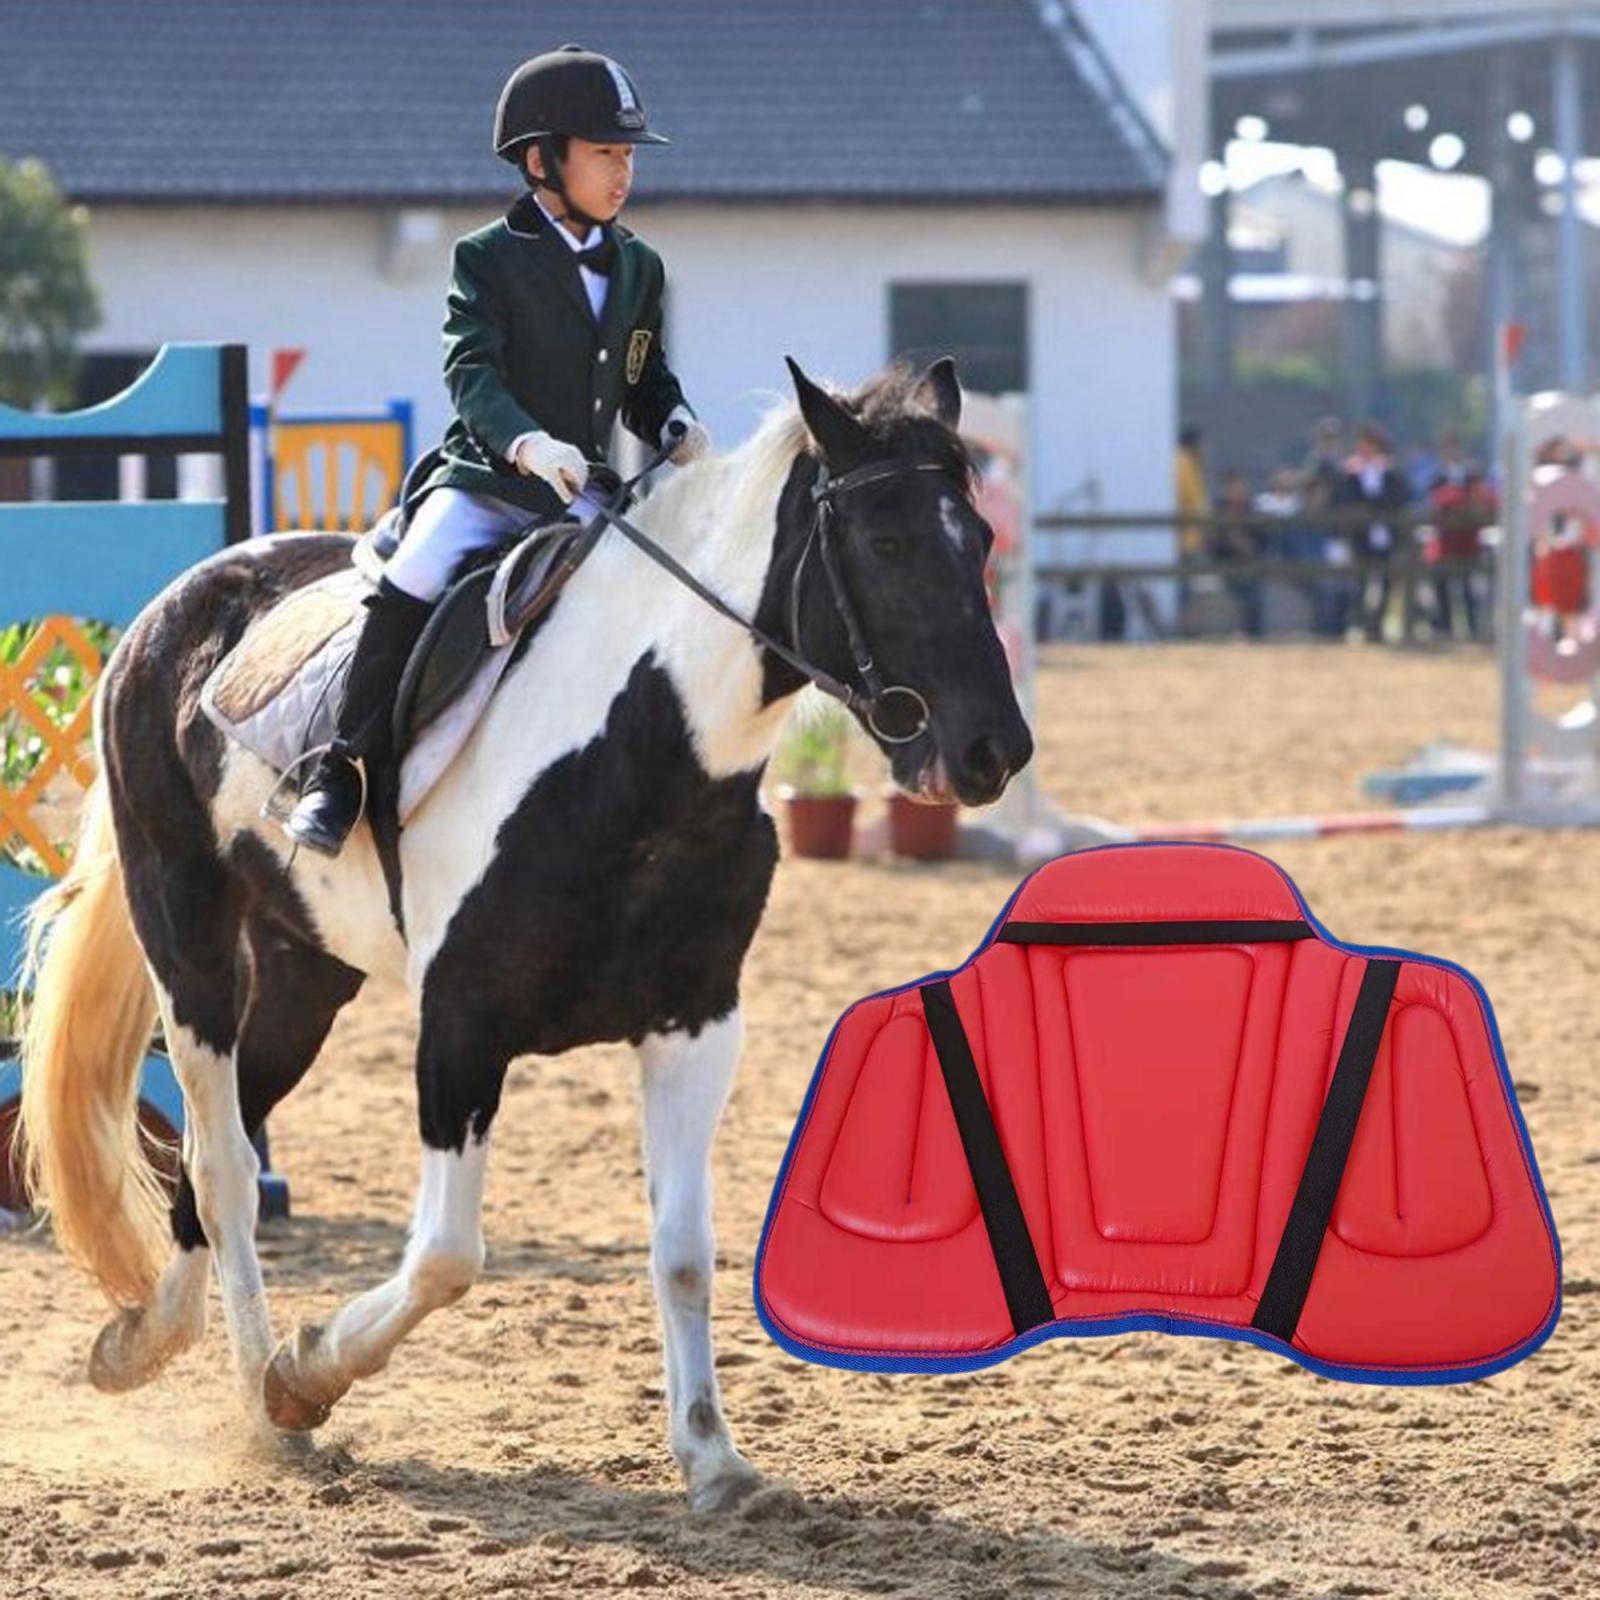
[821,825]
[921,831]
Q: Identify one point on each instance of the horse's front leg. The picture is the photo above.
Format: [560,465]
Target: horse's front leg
[686,1081]
[459,1078]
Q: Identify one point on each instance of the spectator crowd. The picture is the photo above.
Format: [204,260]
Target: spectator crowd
[1334,527]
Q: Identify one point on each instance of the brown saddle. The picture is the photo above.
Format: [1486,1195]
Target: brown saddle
[500,597]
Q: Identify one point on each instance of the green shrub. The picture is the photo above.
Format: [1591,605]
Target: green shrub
[814,758]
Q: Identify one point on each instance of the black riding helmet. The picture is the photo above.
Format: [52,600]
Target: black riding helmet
[568,93]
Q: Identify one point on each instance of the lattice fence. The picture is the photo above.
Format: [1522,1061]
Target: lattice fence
[47,676]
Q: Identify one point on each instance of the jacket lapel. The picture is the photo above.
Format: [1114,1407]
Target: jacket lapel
[550,254]
[620,293]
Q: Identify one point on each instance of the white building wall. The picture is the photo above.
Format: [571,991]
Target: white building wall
[747,285]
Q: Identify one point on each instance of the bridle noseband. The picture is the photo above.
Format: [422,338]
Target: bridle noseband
[865,701]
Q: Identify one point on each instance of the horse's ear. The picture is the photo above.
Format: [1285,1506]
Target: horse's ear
[840,436]
[940,386]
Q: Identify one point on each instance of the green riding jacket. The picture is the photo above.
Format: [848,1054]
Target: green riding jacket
[522,350]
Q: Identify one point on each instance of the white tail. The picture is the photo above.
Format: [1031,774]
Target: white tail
[88,1010]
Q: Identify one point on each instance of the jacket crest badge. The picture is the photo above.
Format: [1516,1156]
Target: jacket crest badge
[638,350]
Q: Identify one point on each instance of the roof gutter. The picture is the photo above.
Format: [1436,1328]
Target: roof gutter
[1064,25]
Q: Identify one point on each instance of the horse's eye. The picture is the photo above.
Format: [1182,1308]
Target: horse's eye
[886,544]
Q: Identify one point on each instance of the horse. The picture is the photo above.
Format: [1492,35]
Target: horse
[592,867]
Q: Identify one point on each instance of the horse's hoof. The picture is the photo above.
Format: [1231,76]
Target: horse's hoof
[114,1367]
[734,1480]
[286,1406]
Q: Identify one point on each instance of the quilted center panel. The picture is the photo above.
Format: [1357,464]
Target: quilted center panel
[1156,1042]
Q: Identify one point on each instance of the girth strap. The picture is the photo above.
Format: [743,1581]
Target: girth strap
[1027,1295]
[1289,1282]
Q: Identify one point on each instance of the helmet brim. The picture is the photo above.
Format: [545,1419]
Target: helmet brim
[621,136]
[512,149]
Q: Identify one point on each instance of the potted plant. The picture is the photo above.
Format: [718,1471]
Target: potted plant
[816,790]
[924,830]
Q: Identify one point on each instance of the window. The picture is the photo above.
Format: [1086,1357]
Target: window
[983,325]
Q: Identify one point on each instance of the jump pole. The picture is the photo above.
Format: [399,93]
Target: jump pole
[1420,819]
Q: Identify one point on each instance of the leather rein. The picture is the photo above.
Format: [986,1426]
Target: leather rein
[823,493]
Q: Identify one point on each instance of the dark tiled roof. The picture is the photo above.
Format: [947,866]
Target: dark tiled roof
[324,100]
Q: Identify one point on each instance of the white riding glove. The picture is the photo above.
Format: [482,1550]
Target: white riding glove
[693,442]
[563,466]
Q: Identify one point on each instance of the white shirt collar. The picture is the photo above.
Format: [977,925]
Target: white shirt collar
[591,238]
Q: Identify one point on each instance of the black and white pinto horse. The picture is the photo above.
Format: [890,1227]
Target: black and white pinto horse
[592,868]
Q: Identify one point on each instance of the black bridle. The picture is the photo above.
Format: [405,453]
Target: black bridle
[823,492]
[874,691]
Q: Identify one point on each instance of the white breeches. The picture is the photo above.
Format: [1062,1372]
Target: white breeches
[449,525]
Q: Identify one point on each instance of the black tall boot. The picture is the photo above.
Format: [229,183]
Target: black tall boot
[331,799]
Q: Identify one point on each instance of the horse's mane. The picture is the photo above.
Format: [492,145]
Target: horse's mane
[744,484]
[894,409]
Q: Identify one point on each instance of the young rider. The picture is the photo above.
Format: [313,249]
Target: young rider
[553,328]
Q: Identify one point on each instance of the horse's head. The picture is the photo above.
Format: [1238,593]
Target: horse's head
[896,523]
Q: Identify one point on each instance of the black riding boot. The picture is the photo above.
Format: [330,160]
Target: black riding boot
[331,798]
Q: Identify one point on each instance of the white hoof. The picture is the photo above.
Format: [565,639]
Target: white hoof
[133,1347]
[721,1485]
[283,1388]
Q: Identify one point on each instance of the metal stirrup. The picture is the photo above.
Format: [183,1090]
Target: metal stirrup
[274,809]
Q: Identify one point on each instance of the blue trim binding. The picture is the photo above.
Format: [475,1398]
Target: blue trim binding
[1153,1322]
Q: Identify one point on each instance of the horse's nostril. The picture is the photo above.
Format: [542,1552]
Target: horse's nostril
[986,760]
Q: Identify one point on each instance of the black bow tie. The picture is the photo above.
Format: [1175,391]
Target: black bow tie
[600,257]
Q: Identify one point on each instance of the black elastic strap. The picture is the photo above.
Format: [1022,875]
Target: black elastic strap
[1290,1279]
[1260,931]
[1027,1296]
